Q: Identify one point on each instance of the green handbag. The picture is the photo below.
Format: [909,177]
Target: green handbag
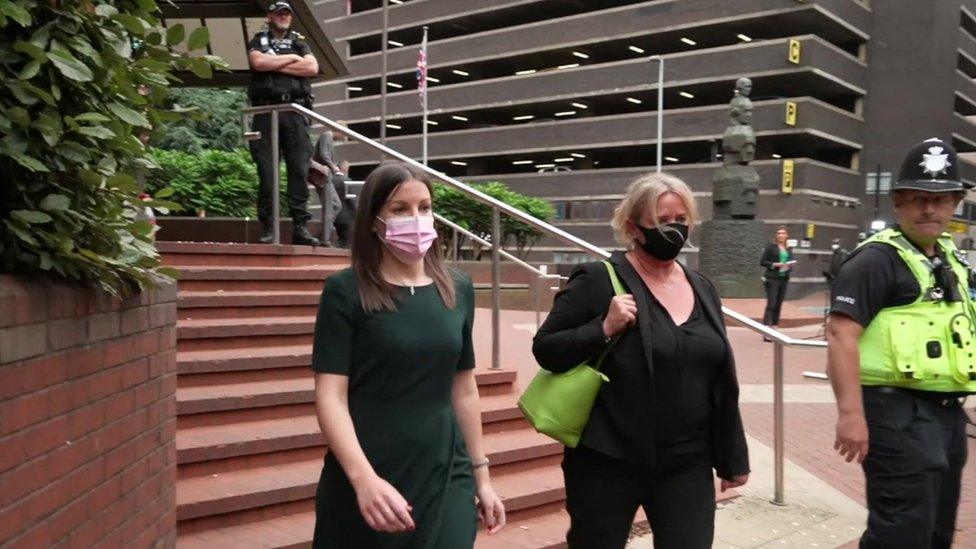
[558,404]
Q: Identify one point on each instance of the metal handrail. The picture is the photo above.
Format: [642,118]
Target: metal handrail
[440,176]
[779,339]
[541,274]
[485,243]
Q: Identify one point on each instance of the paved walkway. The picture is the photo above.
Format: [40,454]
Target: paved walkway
[825,495]
[816,514]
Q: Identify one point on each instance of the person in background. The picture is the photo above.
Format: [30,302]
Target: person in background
[343,213]
[281,65]
[900,341]
[670,413]
[395,389]
[778,260]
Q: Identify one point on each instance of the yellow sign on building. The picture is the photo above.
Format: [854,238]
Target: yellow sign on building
[787,177]
[958,227]
[811,230]
[794,52]
[790,113]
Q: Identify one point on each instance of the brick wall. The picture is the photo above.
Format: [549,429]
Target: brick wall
[87,416]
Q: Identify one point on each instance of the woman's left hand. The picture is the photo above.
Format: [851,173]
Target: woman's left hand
[491,510]
[738,480]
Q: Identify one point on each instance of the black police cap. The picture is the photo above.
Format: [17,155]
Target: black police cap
[278,6]
[931,166]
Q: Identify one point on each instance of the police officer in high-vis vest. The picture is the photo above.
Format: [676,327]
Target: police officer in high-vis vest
[902,358]
[281,65]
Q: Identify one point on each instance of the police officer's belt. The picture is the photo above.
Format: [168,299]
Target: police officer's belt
[278,99]
[944,401]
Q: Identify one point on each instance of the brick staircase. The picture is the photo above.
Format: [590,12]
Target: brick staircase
[248,444]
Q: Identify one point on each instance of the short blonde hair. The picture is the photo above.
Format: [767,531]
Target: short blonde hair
[644,192]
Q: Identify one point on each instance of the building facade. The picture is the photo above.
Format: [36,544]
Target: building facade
[558,99]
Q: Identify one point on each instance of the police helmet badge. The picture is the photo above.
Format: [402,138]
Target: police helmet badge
[935,163]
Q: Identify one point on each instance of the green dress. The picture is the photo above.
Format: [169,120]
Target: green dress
[401,366]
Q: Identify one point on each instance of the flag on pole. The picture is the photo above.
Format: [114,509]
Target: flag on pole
[422,72]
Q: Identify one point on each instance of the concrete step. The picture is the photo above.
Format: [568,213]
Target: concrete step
[221,304]
[278,392]
[251,279]
[234,360]
[296,476]
[212,442]
[295,531]
[283,532]
[185,254]
[244,327]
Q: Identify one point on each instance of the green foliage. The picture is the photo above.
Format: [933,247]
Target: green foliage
[213,121]
[224,183]
[80,83]
[476,217]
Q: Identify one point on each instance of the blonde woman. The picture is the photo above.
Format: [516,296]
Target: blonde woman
[670,413]
[394,385]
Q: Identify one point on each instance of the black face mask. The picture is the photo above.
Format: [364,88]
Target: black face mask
[664,242]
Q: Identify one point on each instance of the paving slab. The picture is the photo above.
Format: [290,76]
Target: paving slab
[815,515]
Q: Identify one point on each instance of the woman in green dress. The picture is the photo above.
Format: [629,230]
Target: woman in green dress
[395,390]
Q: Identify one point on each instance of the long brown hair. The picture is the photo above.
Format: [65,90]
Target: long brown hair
[375,292]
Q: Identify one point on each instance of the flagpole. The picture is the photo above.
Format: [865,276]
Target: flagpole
[386,24]
[424,99]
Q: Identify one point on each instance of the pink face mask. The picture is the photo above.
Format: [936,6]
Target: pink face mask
[410,236]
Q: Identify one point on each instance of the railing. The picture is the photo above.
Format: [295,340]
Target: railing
[779,339]
[542,274]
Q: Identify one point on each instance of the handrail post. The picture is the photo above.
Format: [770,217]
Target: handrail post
[275,180]
[454,245]
[539,281]
[779,447]
[496,297]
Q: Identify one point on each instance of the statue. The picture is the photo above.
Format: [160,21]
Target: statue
[733,239]
[735,185]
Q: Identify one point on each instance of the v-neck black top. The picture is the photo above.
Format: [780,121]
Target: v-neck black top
[687,361]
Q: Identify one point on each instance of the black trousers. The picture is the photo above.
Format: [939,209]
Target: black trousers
[916,453]
[775,293]
[343,220]
[296,148]
[603,494]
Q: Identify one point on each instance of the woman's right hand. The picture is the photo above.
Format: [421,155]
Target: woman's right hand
[621,314]
[382,506]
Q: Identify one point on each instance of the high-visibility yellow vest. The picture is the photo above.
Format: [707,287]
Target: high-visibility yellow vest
[929,344]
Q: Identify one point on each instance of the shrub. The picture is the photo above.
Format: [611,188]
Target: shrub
[81,83]
[476,217]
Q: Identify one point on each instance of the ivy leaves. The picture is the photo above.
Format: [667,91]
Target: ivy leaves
[80,87]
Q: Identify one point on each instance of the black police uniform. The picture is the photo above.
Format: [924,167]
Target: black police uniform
[917,444]
[269,88]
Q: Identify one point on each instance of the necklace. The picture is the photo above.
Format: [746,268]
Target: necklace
[402,283]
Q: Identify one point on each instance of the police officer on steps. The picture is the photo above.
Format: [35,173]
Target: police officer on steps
[902,358]
[281,65]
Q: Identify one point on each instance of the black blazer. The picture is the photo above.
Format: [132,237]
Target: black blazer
[621,424]
[771,255]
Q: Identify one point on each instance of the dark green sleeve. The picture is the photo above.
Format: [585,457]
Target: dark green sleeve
[465,299]
[332,346]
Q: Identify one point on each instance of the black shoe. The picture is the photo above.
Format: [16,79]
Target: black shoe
[267,235]
[342,243]
[301,237]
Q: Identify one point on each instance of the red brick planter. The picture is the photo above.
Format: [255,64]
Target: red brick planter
[87,416]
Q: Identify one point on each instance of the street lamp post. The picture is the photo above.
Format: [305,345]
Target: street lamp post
[660,107]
